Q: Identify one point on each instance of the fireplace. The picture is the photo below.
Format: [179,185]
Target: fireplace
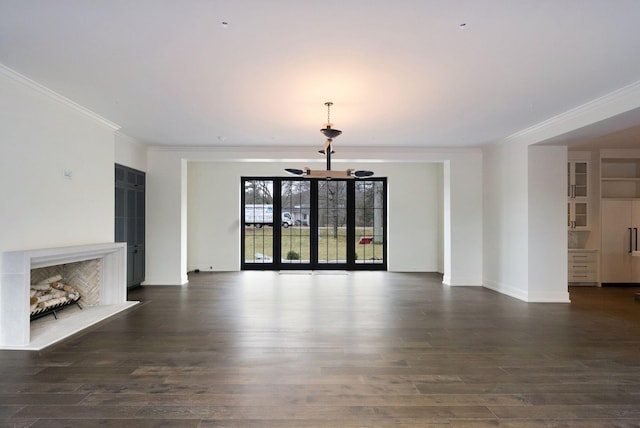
[97,272]
[54,288]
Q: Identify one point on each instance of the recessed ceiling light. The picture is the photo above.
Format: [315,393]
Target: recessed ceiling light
[462,26]
[225,24]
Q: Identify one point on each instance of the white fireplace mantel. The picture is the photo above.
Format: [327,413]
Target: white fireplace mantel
[15,279]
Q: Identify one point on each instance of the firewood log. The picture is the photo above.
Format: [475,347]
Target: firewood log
[52,302]
[41,287]
[51,279]
[60,286]
[45,297]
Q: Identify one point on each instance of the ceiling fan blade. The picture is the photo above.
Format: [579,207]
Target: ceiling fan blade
[362,174]
[294,171]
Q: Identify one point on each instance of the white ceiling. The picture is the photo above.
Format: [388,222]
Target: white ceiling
[400,72]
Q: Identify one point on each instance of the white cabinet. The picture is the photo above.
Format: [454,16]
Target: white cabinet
[578,179]
[578,194]
[620,224]
[578,215]
[583,267]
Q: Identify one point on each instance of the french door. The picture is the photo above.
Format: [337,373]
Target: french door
[313,224]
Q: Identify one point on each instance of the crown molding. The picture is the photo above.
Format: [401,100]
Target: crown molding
[614,103]
[130,139]
[25,81]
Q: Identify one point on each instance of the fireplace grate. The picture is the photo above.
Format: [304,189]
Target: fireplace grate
[51,310]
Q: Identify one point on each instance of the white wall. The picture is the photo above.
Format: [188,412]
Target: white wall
[213,215]
[43,135]
[415,239]
[130,152]
[414,213]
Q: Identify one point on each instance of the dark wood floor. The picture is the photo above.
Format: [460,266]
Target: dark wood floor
[367,349]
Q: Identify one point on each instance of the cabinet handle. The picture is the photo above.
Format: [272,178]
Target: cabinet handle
[630,240]
[636,230]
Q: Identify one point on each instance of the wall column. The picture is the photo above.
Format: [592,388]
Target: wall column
[463,221]
[166,249]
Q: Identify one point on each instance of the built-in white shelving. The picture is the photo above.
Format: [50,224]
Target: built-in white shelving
[620,177]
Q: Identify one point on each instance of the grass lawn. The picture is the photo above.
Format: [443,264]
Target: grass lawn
[297,239]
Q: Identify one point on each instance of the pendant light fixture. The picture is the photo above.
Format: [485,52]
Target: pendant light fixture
[331,133]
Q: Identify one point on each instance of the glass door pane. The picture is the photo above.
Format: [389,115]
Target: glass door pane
[370,222]
[580,214]
[295,243]
[258,221]
[580,190]
[332,222]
